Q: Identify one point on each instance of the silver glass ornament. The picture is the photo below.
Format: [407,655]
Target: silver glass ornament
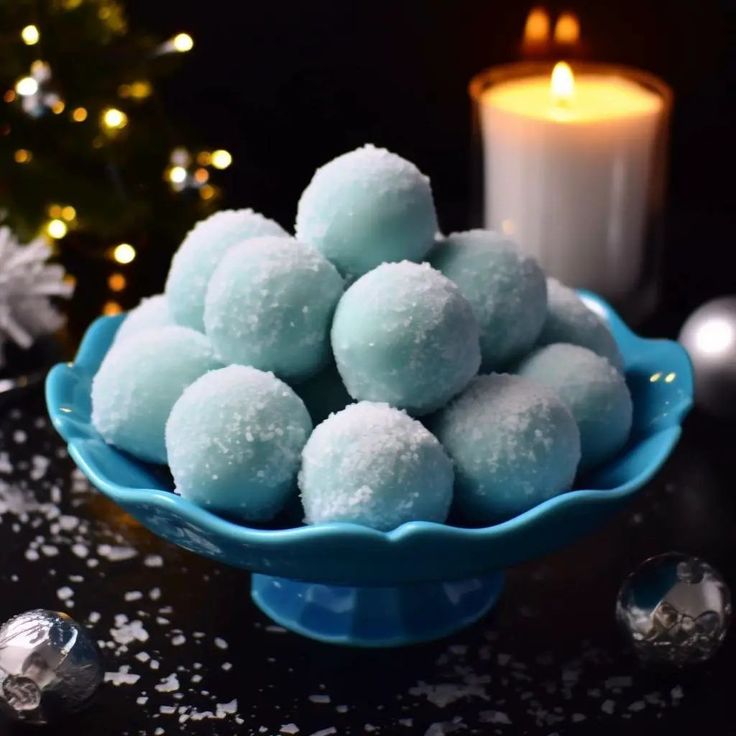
[709,336]
[49,666]
[675,609]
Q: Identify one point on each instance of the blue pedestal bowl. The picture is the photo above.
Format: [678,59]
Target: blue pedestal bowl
[348,584]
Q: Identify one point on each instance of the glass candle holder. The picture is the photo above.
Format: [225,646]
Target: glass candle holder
[573,169]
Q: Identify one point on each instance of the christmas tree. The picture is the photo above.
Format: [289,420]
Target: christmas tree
[89,160]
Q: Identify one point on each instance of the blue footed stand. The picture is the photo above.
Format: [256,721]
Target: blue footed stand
[409,566]
[376,616]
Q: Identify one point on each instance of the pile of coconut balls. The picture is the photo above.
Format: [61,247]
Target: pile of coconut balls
[383,372]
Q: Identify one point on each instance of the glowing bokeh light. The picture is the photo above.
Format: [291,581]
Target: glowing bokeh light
[30,35]
[123,253]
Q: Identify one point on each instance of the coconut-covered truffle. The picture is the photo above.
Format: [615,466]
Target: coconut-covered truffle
[570,320]
[404,334]
[234,440]
[270,303]
[200,252]
[505,287]
[593,389]
[323,394]
[374,465]
[367,207]
[514,444]
[138,382]
[151,313]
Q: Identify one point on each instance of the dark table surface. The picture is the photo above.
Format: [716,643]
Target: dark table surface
[194,655]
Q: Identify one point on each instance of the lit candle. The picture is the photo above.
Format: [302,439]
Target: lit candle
[572,167]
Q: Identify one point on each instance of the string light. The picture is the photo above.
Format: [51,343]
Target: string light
[30,35]
[26,86]
[55,210]
[69,213]
[116,282]
[221,159]
[22,156]
[123,253]
[207,192]
[177,174]
[111,308]
[189,171]
[114,119]
[9,96]
[183,42]
[35,89]
[56,229]
[135,90]
[79,114]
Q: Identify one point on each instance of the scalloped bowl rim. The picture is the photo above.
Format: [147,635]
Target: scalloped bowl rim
[88,356]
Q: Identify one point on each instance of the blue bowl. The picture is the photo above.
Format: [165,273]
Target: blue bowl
[349,584]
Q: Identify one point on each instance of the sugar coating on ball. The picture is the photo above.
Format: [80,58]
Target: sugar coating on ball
[374,465]
[270,303]
[234,440]
[595,391]
[404,334]
[151,313]
[570,320]
[367,207]
[505,287]
[139,381]
[514,444]
[200,252]
[323,394]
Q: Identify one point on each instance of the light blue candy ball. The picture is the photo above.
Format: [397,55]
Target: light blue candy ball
[139,381]
[270,303]
[234,440]
[595,391]
[151,313]
[200,252]
[514,444]
[324,394]
[374,465]
[405,335]
[367,207]
[570,320]
[505,287]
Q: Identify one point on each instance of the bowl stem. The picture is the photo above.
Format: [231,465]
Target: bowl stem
[376,616]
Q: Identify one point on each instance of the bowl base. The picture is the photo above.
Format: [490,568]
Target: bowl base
[376,616]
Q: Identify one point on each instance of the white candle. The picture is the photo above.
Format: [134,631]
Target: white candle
[569,165]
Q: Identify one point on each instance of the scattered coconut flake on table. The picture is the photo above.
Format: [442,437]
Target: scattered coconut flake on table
[72,542]
[121,678]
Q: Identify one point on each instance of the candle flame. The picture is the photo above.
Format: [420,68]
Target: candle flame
[562,84]
[537,26]
[567,29]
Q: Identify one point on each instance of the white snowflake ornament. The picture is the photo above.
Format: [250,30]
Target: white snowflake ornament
[27,282]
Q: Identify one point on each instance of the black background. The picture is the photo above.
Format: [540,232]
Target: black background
[286,85]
